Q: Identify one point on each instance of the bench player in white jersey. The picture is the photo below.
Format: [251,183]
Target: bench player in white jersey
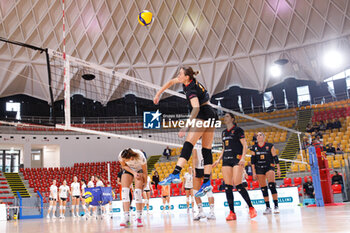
[99,183]
[134,164]
[188,186]
[82,197]
[64,192]
[147,193]
[91,184]
[198,164]
[75,190]
[53,200]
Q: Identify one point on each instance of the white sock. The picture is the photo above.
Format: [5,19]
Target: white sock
[211,208]
[200,207]
[139,214]
[127,215]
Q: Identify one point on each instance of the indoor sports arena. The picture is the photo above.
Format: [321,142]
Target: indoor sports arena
[174,115]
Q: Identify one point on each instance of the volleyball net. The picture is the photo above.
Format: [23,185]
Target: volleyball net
[126,104]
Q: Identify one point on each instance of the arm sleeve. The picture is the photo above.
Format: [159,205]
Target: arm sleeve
[241,133]
[191,94]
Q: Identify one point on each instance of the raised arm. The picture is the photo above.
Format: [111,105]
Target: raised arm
[164,87]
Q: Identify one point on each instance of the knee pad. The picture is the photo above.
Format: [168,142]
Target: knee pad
[239,187]
[210,194]
[146,201]
[73,207]
[186,151]
[187,199]
[228,188]
[64,207]
[264,191]
[194,192]
[138,196]
[54,209]
[50,208]
[61,207]
[272,187]
[125,194]
[207,156]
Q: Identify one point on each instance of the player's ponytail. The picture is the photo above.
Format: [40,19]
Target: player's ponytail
[189,72]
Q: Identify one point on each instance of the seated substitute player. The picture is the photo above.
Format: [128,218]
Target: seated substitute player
[264,158]
[134,165]
[198,164]
[201,111]
[188,187]
[233,160]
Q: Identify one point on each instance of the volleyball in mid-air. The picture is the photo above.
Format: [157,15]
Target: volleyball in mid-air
[145,18]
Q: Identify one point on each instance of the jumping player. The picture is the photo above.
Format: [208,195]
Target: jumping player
[198,164]
[134,164]
[188,181]
[233,157]
[52,199]
[264,158]
[75,190]
[201,111]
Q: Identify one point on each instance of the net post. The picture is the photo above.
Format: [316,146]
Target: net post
[109,173]
[301,148]
[67,110]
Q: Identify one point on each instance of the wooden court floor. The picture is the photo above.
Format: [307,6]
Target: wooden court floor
[299,219]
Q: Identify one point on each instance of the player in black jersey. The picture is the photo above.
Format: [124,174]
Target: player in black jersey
[201,111]
[233,160]
[264,158]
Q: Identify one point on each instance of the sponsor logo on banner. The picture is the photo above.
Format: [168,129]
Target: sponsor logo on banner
[236,203]
[166,208]
[116,210]
[150,207]
[184,206]
[288,198]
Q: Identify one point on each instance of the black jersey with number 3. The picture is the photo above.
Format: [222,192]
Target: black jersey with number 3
[263,155]
[195,89]
[231,140]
